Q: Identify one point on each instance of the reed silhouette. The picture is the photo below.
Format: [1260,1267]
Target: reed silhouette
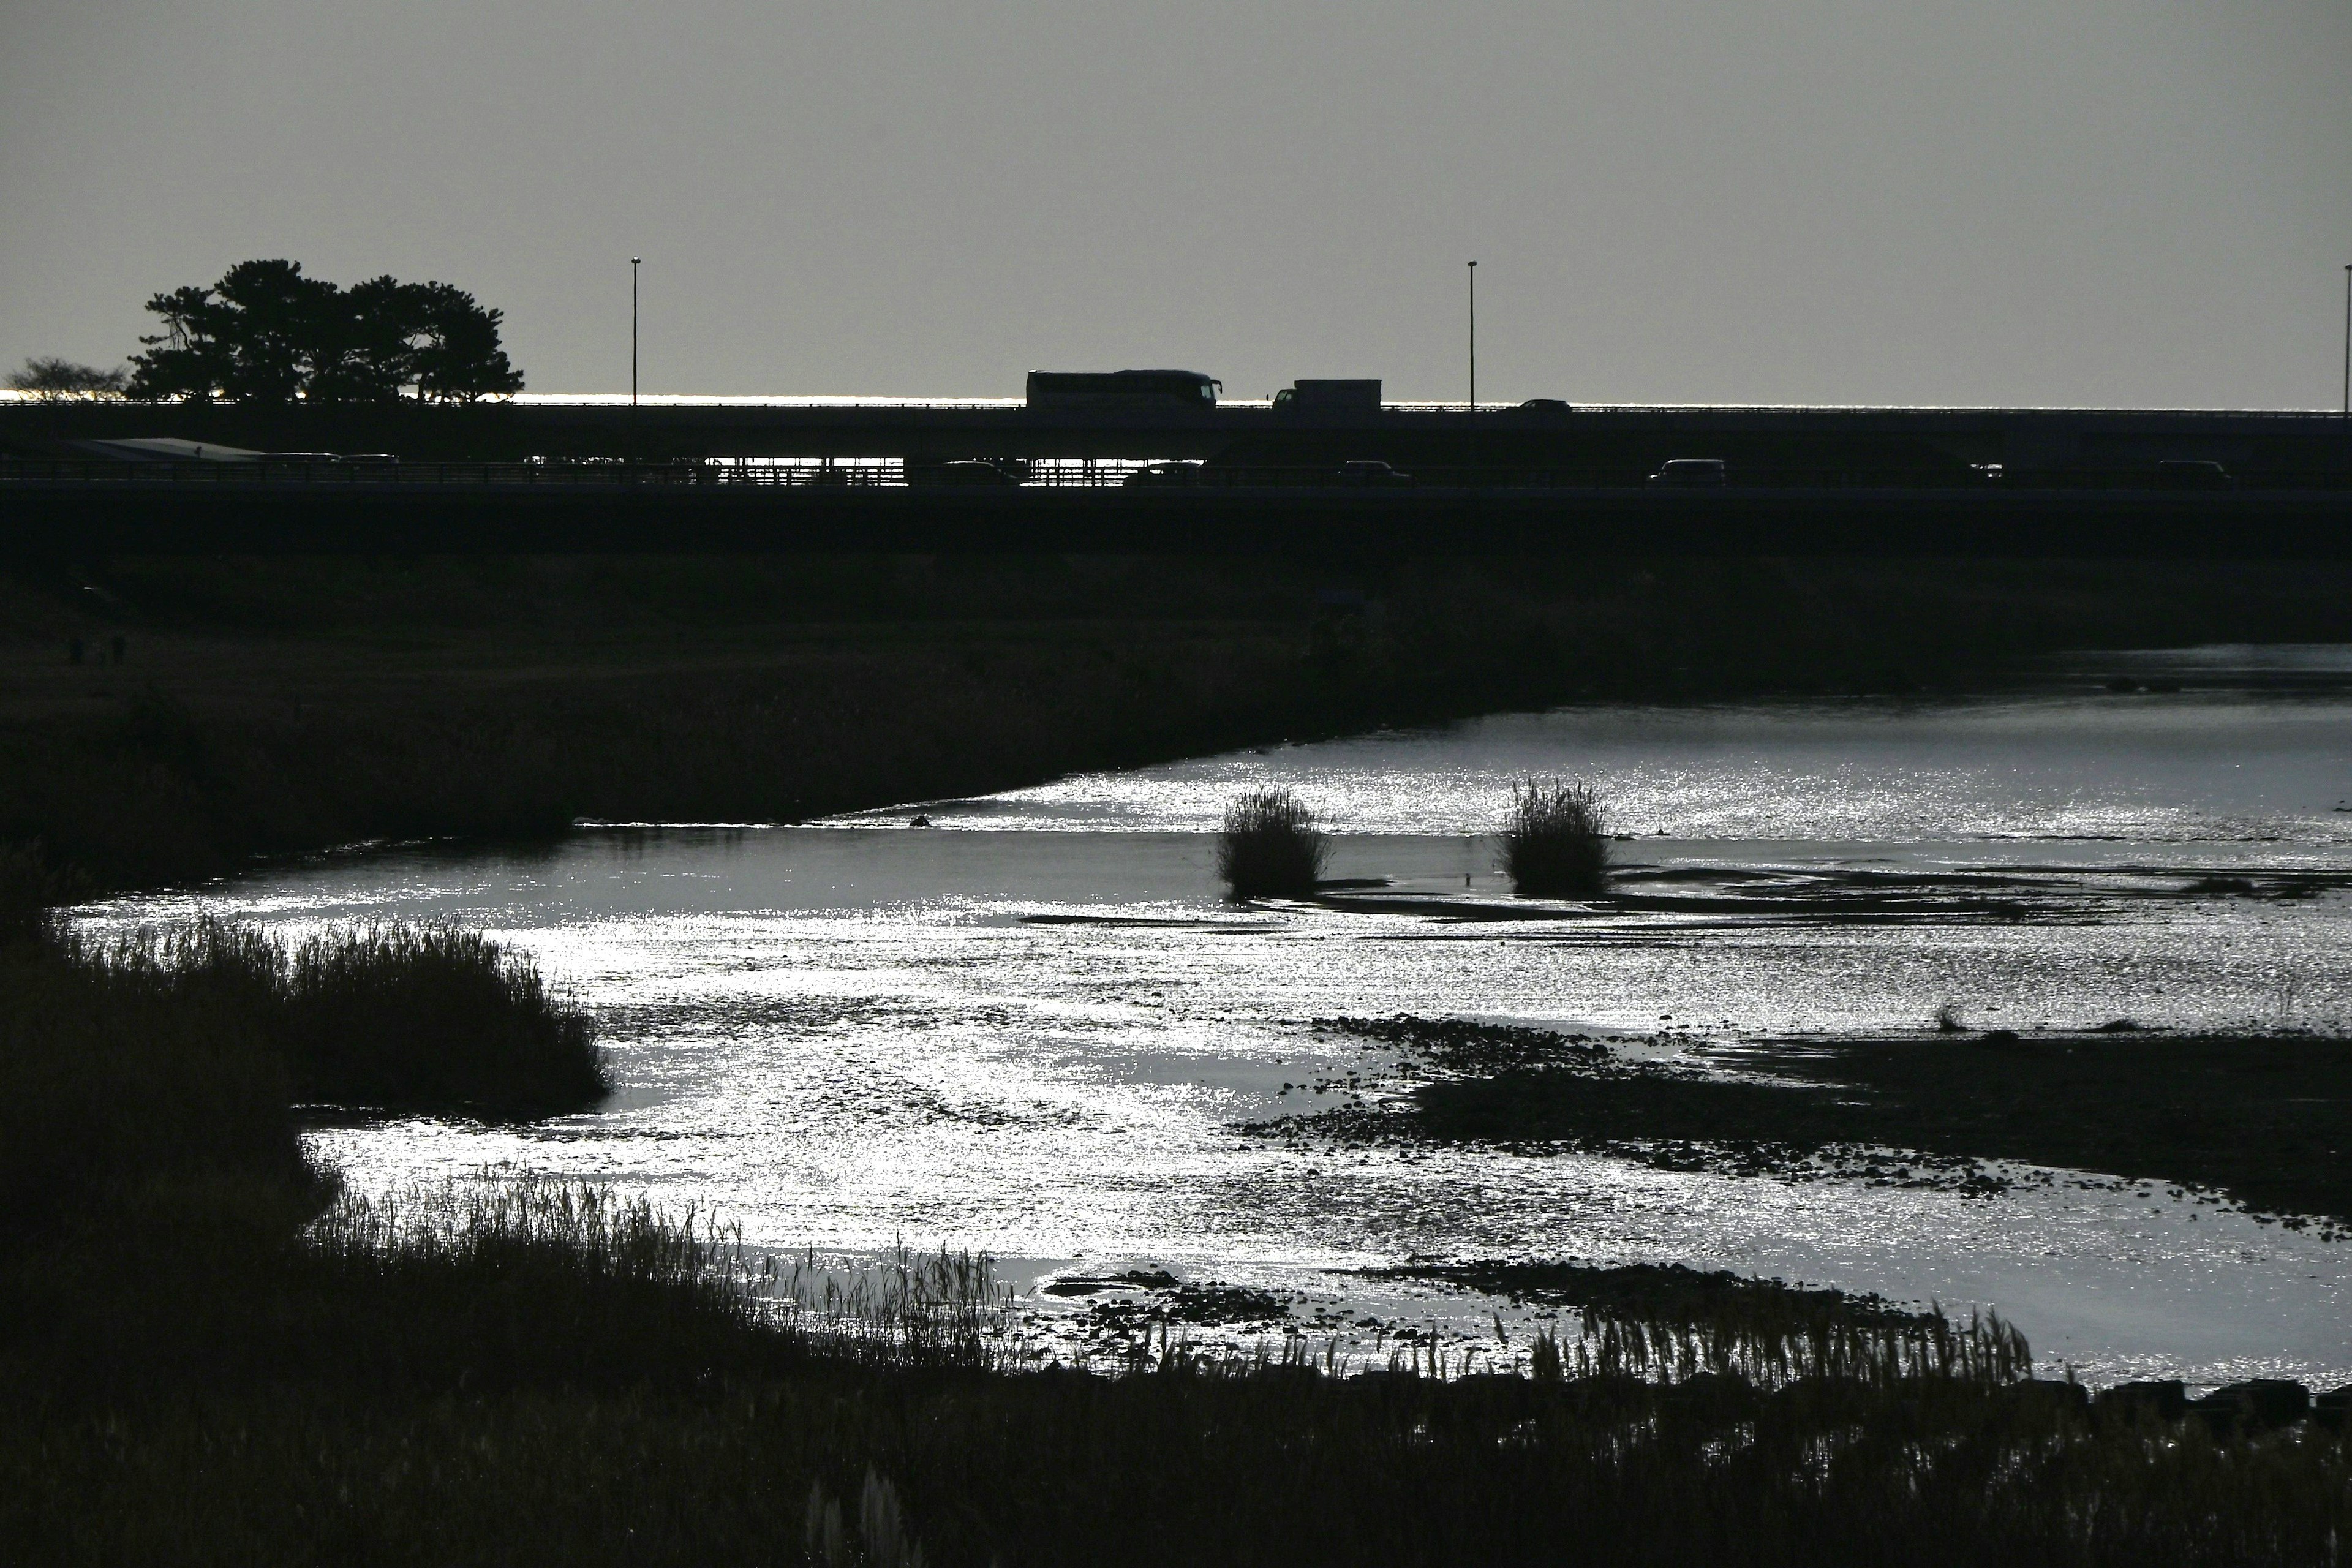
[1556,840]
[1269,846]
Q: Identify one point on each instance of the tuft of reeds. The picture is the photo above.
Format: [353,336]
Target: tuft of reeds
[1270,847]
[1556,840]
[1983,1350]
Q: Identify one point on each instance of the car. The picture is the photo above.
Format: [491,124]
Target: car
[1163,476]
[2192,474]
[1679,471]
[1370,471]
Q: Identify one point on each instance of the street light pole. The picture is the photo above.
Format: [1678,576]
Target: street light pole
[1474,337]
[2347,340]
[634,260]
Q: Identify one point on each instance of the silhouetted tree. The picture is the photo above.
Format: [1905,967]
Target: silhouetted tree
[460,359]
[46,375]
[187,358]
[266,333]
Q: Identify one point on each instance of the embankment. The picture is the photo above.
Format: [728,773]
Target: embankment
[223,708]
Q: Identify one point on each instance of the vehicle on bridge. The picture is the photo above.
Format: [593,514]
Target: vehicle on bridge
[1138,391]
[1331,399]
[2192,474]
[1690,471]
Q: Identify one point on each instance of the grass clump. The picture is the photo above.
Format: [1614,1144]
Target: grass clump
[388,1017]
[426,1017]
[1270,847]
[1556,840]
[120,1055]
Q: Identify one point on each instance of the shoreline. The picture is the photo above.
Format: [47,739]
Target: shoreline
[291,705]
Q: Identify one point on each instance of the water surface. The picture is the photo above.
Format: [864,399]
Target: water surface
[1035,1027]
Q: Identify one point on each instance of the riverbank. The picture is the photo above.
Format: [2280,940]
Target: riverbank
[255,708]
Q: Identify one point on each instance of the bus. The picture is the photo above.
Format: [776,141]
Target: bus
[1144,391]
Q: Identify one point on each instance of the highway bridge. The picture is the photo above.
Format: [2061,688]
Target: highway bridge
[1601,443]
[681,476]
[78,509]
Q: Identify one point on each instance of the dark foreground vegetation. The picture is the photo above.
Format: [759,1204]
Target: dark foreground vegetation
[206,1355]
[542,1376]
[285,705]
[2266,1119]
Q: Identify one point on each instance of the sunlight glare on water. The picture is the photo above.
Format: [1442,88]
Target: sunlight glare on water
[848,1035]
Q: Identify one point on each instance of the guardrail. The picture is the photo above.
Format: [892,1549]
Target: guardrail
[1071,474]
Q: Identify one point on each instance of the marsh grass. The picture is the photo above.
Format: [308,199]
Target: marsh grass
[385,1017]
[1269,846]
[147,1082]
[1555,840]
[1671,1323]
[1983,1350]
[120,1086]
[538,1373]
[430,1017]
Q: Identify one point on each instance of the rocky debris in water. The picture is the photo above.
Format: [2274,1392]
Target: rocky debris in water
[2239,1410]
[1129,1313]
[1461,1045]
[1095,1284]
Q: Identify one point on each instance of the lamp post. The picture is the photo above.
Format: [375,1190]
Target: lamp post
[634,260]
[1474,337]
[2347,340]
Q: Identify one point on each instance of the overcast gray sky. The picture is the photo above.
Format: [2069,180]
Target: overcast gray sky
[2128,202]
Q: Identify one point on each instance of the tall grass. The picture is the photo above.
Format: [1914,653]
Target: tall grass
[391,1018]
[1982,1351]
[142,1073]
[122,1086]
[543,1373]
[1556,840]
[1269,846]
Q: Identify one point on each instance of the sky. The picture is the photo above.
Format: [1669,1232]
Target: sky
[2139,202]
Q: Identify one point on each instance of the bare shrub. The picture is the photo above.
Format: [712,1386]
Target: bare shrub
[46,376]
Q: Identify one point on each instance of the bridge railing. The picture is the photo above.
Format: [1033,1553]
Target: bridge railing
[1085,475]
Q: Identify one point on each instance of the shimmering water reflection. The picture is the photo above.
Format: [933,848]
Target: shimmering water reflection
[845,1037]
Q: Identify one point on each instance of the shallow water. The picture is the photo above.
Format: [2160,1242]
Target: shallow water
[1036,1029]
